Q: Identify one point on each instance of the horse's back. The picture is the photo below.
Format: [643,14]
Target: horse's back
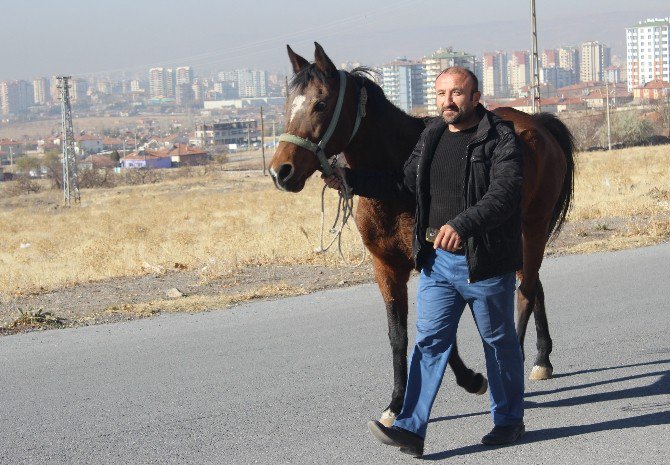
[544,161]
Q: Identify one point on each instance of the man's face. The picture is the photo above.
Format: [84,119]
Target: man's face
[456,99]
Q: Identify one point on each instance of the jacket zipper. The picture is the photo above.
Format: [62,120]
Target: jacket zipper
[466,186]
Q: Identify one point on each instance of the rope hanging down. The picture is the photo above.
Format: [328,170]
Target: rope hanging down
[345,210]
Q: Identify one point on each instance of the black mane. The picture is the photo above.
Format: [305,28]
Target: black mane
[302,78]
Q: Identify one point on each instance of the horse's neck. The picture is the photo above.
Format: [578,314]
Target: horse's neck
[386,138]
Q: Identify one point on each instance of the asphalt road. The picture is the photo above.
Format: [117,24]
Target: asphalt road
[295,381]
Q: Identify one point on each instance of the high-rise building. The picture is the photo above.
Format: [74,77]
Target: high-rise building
[495,79]
[252,83]
[184,94]
[568,58]
[550,59]
[78,90]
[136,86]
[440,60]
[198,91]
[403,83]
[41,93]
[16,96]
[53,89]
[559,68]
[557,77]
[595,59]
[184,75]
[161,83]
[518,70]
[648,52]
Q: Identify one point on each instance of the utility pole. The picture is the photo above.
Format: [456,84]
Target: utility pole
[534,63]
[70,179]
[263,141]
[607,104]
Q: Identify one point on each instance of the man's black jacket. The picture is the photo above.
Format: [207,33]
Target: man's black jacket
[490,225]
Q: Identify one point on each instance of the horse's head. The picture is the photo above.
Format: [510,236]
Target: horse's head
[320,120]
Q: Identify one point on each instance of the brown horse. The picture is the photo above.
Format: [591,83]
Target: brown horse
[373,134]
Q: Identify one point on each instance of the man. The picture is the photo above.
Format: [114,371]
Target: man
[466,174]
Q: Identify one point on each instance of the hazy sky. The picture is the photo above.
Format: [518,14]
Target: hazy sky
[78,37]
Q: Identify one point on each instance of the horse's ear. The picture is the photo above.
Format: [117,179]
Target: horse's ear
[297,61]
[322,61]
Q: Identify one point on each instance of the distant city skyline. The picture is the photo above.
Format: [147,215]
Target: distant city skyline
[127,38]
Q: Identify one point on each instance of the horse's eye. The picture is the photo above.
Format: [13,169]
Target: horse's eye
[320,106]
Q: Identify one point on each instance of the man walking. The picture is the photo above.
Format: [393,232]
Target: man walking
[466,174]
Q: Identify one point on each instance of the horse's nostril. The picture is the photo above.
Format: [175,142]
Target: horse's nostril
[285,172]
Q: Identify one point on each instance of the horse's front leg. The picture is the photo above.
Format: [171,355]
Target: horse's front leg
[392,282]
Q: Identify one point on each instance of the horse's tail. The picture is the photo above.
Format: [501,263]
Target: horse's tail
[566,141]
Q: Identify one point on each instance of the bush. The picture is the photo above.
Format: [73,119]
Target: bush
[22,185]
[135,177]
[89,179]
[627,128]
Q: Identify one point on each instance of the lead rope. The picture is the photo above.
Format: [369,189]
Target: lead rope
[345,210]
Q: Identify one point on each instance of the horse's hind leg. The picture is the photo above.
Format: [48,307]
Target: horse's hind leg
[530,299]
[474,383]
[542,368]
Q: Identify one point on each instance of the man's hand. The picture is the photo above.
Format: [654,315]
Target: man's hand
[334,181]
[447,239]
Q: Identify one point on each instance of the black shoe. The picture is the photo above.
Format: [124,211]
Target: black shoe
[501,435]
[408,442]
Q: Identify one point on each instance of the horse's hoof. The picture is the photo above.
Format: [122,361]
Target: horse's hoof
[539,373]
[485,386]
[388,417]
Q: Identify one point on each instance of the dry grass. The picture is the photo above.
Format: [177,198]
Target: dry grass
[214,223]
[218,222]
[626,192]
[204,302]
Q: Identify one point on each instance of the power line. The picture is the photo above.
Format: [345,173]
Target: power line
[323,30]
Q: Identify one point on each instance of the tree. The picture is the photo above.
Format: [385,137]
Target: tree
[28,165]
[53,164]
[627,128]
[663,110]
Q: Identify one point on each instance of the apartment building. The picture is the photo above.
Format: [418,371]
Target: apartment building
[568,58]
[252,83]
[518,70]
[15,96]
[648,52]
[161,83]
[595,59]
[233,132]
[403,82]
[184,75]
[495,80]
[438,61]
[41,91]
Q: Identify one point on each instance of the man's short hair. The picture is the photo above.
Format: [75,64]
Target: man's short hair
[464,72]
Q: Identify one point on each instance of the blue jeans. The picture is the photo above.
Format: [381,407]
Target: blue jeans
[443,292]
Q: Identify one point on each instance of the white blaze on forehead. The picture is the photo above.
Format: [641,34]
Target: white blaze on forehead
[297,106]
